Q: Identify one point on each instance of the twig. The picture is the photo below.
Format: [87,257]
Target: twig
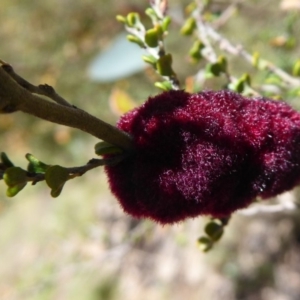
[226,15]
[237,50]
[94,163]
[42,89]
[155,52]
[209,52]
[160,7]
[14,97]
[139,31]
[76,171]
[286,203]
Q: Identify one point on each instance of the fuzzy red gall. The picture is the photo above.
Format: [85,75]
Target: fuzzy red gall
[209,153]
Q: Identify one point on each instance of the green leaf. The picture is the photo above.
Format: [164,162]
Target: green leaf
[103,148]
[136,40]
[164,65]
[239,87]
[188,27]
[214,230]
[56,176]
[35,165]
[165,85]
[14,190]
[150,59]
[152,37]
[121,19]
[16,180]
[5,160]
[241,84]
[213,70]
[257,62]
[132,19]
[195,51]
[14,175]
[205,243]
[223,63]
[296,68]
[150,12]
[217,68]
[166,23]
[255,59]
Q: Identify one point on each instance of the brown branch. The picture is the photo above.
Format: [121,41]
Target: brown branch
[42,89]
[14,97]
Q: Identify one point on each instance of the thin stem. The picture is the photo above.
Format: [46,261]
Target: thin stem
[14,97]
[76,171]
[94,163]
[208,31]
[42,89]
[204,34]
[160,7]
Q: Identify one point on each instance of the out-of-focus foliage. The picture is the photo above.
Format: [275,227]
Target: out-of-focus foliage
[82,246]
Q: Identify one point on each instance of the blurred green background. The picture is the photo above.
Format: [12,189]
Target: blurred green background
[81,245]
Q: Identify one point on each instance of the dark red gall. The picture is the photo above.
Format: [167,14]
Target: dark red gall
[209,153]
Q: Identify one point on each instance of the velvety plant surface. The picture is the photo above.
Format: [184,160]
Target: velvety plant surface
[209,153]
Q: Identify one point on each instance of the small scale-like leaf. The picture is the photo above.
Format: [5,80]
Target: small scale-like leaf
[16,180]
[136,40]
[217,68]
[152,37]
[103,148]
[255,59]
[164,65]
[132,19]
[296,68]
[223,63]
[214,230]
[150,59]
[5,160]
[56,176]
[241,84]
[246,78]
[35,165]
[213,70]
[121,19]
[188,27]
[205,243]
[165,85]
[14,190]
[166,23]
[258,62]
[14,175]
[195,51]
[150,12]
